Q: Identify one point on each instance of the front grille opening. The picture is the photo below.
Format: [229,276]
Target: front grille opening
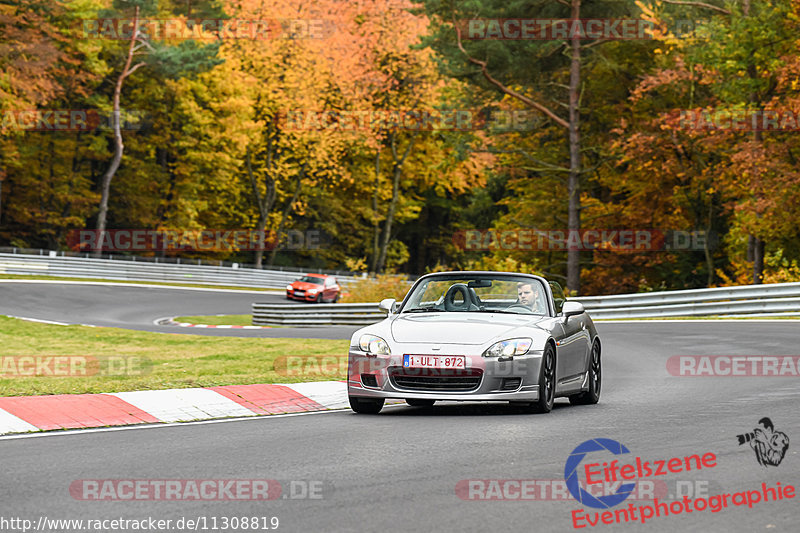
[369,380]
[511,383]
[435,379]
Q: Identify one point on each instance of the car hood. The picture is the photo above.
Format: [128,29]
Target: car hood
[304,285]
[458,328]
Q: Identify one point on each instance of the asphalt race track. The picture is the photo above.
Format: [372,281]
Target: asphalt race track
[136,307]
[398,471]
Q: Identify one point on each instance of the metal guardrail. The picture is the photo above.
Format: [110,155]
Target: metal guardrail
[169,260]
[315,314]
[132,270]
[779,299]
[748,300]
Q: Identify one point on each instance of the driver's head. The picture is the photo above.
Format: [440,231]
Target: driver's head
[526,294]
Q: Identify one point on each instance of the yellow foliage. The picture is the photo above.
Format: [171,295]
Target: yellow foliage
[372,290]
[356,265]
[777,269]
[500,264]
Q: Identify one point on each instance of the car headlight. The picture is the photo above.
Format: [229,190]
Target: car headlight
[373,344]
[313,291]
[508,348]
[289,287]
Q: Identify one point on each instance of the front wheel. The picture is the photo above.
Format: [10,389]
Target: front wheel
[366,406]
[319,298]
[547,383]
[592,396]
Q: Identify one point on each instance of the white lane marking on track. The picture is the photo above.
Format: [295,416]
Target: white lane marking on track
[143,285]
[170,321]
[39,320]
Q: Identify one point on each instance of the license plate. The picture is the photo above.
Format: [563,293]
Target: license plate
[300,293]
[434,361]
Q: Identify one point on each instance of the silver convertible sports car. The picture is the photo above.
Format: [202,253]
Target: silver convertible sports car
[477,336]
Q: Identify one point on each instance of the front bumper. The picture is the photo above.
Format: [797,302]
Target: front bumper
[484,379]
[304,297]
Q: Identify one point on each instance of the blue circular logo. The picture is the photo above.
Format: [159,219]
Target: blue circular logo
[571,475]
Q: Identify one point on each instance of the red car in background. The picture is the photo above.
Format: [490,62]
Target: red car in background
[314,288]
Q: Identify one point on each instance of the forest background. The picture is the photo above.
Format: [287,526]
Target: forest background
[311,116]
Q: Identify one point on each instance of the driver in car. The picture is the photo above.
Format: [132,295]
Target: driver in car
[529,297]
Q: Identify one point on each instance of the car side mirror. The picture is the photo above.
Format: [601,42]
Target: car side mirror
[572,308]
[387,305]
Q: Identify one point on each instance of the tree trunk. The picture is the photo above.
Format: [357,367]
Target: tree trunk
[118,146]
[285,214]
[573,184]
[397,172]
[260,229]
[163,208]
[758,261]
[707,245]
[264,206]
[755,101]
[373,262]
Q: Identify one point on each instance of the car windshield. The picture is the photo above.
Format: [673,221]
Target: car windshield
[312,279]
[486,293]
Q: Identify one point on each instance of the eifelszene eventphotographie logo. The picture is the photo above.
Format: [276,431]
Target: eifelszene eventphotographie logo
[625,472]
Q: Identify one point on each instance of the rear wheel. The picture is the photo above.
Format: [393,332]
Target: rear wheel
[595,380]
[547,383]
[418,402]
[366,406]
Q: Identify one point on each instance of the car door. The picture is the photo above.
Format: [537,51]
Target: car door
[573,349]
[334,288]
[329,290]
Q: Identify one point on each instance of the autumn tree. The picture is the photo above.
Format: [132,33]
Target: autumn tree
[732,63]
[548,82]
[41,69]
[140,50]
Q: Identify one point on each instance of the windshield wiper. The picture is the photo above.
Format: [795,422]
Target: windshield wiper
[422,310]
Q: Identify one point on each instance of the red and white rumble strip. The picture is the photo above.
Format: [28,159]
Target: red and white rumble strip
[189,325]
[171,322]
[22,414]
